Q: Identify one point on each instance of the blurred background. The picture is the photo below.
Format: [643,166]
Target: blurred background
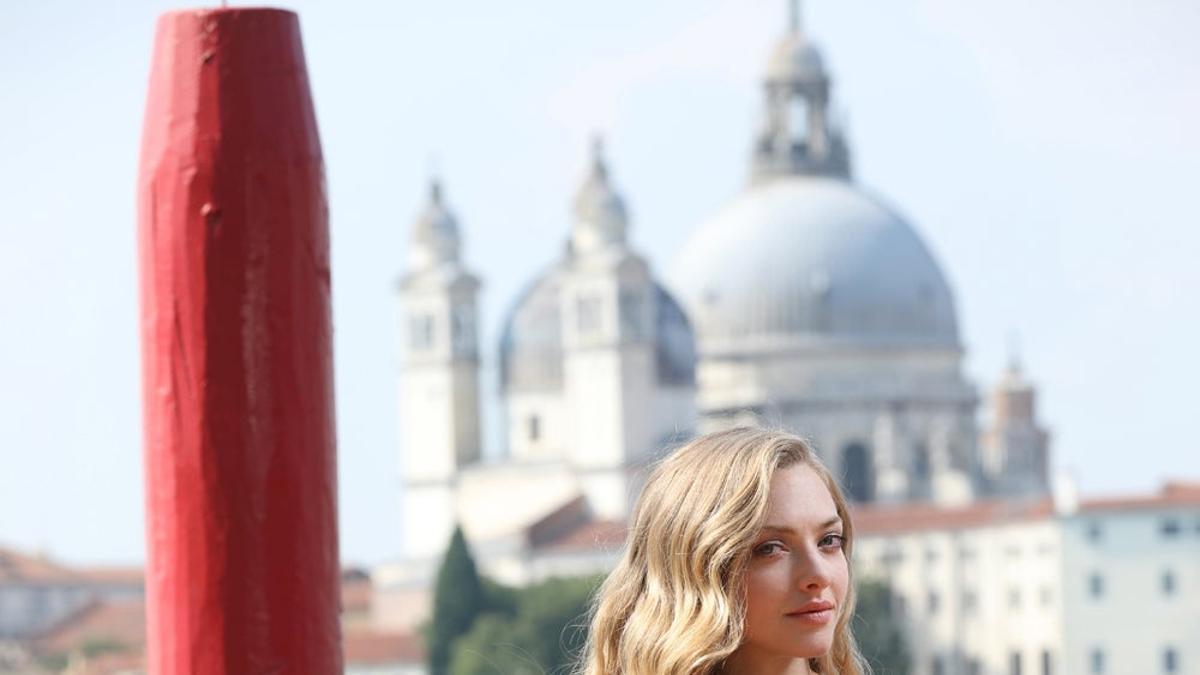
[952,243]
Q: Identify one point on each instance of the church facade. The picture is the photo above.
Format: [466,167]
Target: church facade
[806,303]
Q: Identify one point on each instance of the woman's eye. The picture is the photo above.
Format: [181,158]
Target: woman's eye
[834,540]
[769,548]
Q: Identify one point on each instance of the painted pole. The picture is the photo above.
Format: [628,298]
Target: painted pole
[240,474]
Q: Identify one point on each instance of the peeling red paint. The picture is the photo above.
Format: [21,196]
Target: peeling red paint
[242,562]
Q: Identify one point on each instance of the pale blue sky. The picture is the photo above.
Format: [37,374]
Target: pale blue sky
[1048,153]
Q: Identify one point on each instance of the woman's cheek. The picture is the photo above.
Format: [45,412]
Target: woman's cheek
[842,579]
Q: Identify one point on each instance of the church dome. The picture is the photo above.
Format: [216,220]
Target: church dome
[531,348]
[531,340]
[807,260]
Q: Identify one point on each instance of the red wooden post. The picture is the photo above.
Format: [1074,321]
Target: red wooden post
[242,561]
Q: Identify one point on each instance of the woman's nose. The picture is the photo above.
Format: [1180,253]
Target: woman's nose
[813,570]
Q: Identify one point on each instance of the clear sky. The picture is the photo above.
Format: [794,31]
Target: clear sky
[1047,152]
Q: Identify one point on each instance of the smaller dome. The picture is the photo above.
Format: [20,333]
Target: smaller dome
[794,58]
[531,341]
[435,233]
[531,349]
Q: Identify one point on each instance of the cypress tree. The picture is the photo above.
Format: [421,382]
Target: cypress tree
[544,635]
[458,598]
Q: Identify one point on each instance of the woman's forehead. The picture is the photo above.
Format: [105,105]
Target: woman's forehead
[799,498]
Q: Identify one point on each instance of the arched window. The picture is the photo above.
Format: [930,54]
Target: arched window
[921,462]
[857,476]
[588,314]
[1170,660]
[630,304]
[462,329]
[798,118]
[420,332]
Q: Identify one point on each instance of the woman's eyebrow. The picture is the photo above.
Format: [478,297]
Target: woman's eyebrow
[787,529]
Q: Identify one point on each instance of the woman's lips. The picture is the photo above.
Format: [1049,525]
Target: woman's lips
[816,618]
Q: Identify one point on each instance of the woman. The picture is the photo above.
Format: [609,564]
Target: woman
[737,563]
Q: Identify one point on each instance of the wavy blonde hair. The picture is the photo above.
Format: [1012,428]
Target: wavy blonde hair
[673,605]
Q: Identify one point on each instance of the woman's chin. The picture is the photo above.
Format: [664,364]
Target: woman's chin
[809,646]
[813,646]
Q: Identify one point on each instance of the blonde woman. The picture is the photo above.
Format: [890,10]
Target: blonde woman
[737,563]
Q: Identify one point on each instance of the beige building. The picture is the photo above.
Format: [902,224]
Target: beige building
[1044,586]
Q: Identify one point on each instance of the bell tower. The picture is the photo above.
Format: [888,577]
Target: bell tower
[439,376]
[1015,449]
[608,307]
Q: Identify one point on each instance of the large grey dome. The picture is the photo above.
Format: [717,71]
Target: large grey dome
[809,261]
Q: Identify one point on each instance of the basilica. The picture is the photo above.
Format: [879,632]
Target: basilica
[806,303]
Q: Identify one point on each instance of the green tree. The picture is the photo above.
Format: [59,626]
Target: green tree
[878,630]
[458,599]
[500,599]
[544,636]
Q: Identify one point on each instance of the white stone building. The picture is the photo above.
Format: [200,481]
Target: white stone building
[806,303]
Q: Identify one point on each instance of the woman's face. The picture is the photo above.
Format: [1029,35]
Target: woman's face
[797,578]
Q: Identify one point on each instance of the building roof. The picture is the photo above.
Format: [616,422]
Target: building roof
[111,576]
[889,519]
[19,567]
[111,622]
[1172,494]
[585,534]
[588,536]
